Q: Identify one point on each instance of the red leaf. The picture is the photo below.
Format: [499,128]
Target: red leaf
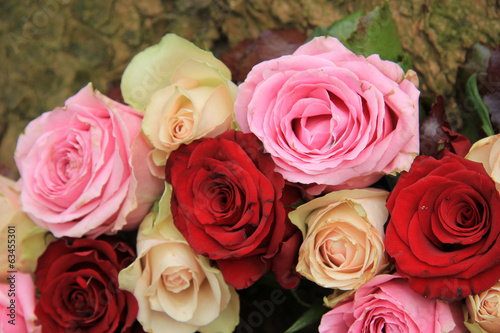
[436,135]
[489,87]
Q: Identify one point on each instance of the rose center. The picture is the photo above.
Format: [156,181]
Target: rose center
[80,304]
[68,159]
[490,306]
[177,279]
[462,219]
[335,251]
[180,126]
[220,198]
[314,132]
[78,299]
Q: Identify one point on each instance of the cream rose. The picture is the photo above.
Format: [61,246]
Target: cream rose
[24,240]
[487,152]
[184,92]
[343,233]
[175,288]
[482,314]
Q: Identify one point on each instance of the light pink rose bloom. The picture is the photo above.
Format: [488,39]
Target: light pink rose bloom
[17,305]
[387,304]
[328,116]
[83,168]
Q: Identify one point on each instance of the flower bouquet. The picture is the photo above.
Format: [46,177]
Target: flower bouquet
[307,197]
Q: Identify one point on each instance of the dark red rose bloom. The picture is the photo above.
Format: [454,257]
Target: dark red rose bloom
[444,228]
[226,201]
[78,284]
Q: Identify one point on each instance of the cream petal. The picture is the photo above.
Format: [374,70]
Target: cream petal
[228,319]
[163,106]
[180,306]
[217,113]
[153,68]
[204,73]
[487,152]
[174,287]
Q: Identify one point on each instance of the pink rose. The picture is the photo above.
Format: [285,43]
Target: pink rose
[328,116]
[17,305]
[83,168]
[387,304]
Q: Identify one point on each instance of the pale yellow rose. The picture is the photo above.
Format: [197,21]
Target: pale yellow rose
[482,313]
[184,92]
[24,240]
[487,152]
[176,289]
[343,233]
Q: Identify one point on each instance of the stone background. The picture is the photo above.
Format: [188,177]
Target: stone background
[52,48]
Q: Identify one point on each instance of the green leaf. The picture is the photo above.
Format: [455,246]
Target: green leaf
[377,34]
[476,101]
[476,62]
[317,32]
[341,29]
[311,316]
[405,61]
[373,33]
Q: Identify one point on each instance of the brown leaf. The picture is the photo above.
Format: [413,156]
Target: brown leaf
[269,45]
[489,87]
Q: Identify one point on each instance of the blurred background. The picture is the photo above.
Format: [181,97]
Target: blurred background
[50,49]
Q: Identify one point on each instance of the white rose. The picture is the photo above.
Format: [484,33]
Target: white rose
[184,92]
[175,288]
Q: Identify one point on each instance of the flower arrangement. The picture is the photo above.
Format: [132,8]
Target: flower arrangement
[312,180]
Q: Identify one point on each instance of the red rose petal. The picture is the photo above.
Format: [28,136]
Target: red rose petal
[232,270]
[226,203]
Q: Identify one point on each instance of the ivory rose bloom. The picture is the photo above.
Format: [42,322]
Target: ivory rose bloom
[387,304]
[343,233]
[82,168]
[483,311]
[487,152]
[184,92]
[328,116]
[175,288]
[18,317]
[24,238]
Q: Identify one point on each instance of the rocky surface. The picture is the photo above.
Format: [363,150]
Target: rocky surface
[52,48]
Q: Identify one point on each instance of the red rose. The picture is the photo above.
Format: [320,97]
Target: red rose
[78,284]
[444,228]
[226,201]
